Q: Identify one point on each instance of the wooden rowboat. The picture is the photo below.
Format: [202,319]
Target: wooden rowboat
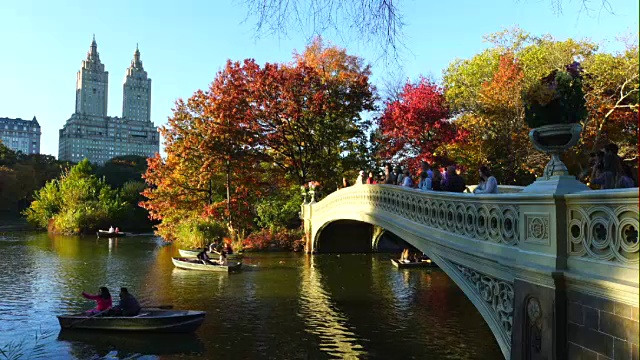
[195,264]
[417,264]
[106,234]
[195,252]
[156,320]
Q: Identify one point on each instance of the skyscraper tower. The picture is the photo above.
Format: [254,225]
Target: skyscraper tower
[136,91]
[89,133]
[92,84]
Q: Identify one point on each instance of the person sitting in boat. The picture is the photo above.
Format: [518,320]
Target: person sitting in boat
[128,305]
[228,248]
[117,230]
[111,229]
[204,258]
[405,256]
[103,300]
[223,257]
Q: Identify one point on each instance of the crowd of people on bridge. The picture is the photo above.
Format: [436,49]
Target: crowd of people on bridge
[445,179]
[605,170]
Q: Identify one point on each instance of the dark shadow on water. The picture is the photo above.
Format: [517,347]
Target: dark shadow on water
[90,344]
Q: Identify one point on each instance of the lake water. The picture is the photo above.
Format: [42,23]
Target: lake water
[281,306]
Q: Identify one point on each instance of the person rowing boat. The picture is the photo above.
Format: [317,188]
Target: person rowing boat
[128,305]
[204,258]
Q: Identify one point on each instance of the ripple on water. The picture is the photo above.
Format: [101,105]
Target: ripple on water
[346,307]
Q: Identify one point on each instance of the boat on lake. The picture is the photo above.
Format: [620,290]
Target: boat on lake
[149,320]
[107,234]
[195,252]
[196,264]
[413,264]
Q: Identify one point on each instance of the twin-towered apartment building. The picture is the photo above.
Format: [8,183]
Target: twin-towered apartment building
[90,132]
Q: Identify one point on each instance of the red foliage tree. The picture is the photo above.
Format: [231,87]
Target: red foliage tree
[413,127]
[211,167]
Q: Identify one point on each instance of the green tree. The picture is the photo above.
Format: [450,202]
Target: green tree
[77,202]
[8,157]
[122,169]
[487,104]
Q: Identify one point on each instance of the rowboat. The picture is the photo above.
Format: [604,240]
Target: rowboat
[195,264]
[106,234]
[149,320]
[195,252]
[415,264]
[145,343]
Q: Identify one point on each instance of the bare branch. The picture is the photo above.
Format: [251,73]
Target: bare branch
[375,23]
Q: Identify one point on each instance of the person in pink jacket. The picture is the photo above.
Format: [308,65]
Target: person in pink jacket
[103,300]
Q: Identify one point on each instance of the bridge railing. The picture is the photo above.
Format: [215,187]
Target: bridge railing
[602,237]
[593,234]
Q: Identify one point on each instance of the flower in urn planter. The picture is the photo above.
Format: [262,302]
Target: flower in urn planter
[556,98]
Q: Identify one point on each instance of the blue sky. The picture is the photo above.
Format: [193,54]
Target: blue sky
[184,43]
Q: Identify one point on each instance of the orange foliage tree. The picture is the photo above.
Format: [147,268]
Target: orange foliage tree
[496,131]
[310,113]
[257,129]
[211,163]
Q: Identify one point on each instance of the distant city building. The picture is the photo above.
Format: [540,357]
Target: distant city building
[21,135]
[90,133]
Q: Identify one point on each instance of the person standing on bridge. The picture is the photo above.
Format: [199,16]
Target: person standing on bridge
[425,181]
[488,183]
[399,175]
[407,181]
[426,168]
[389,177]
[453,181]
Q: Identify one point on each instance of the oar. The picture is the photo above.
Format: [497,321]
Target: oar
[87,318]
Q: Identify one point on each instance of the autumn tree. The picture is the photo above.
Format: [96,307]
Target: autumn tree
[415,126]
[310,113]
[496,132]
[468,88]
[611,91]
[211,161]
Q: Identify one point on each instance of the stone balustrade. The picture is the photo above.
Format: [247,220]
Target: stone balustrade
[510,250]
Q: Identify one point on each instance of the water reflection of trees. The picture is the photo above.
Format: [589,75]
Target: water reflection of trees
[322,316]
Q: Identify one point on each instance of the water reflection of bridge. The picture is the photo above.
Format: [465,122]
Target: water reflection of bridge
[531,262]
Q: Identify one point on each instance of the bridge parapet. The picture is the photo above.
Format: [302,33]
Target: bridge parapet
[602,240]
[514,254]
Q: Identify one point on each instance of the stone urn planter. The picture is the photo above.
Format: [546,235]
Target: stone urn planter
[554,140]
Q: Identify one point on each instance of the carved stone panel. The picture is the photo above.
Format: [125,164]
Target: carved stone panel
[537,228]
[497,293]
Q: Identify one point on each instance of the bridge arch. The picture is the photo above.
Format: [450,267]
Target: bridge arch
[522,258]
[492,296]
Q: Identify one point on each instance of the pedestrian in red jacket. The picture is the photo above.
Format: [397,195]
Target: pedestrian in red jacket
[103,300]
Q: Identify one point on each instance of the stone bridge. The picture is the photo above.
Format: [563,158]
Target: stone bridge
[555,275]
